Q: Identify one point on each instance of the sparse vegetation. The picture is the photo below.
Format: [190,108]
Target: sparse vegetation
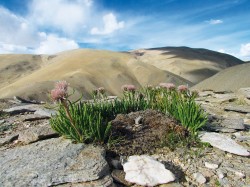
[89,121]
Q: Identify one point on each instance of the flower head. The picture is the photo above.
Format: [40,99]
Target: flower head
[182,88]
[58,94]
[129,88]
[169,86]
[62,85]
[60,91]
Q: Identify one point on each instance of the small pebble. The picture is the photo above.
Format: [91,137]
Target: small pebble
[199,178]
[220,174]
[211,165]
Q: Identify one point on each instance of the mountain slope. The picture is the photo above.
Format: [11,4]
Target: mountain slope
[192,64]
[86,70]
[230,79]
[32,76]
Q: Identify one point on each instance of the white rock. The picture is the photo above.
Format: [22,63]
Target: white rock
[138,120]
[146,171]
[220,174]
[240,174]
[224,143]
[211,165]
[199,178]
[236,172]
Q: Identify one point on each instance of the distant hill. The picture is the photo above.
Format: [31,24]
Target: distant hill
[86,70]
[230,79]
[192,64]
[33,76]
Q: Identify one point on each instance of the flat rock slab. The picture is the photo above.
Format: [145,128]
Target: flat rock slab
[52,162]
[34,117]
[36,133]
[22,109]
[106,181]
[119,176]
[233,123]
[45,112]
[245,92]
[8,139]
[228,125]
[206,93]
[238,108]
[224,143]
[221,98]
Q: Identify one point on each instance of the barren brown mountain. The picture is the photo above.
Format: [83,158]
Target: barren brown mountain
[230,79]
[192,64]
[32,76]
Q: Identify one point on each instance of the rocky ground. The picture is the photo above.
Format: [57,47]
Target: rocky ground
[32,154]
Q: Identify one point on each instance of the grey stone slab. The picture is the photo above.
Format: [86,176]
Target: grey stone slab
[22,109]
[106,181]
[45,112]
[8,139]
[22,100]
[34,117]
[244,92]
[52,162]
[33,134]
[224,143]
[238,108]
[233,123]
[227,125]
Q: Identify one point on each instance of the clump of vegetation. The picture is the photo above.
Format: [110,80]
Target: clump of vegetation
[78,121]
[89,121]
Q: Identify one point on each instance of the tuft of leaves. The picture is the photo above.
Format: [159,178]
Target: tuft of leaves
[88,124]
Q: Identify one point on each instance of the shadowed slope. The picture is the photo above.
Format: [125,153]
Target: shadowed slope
[230,79]
[194,65]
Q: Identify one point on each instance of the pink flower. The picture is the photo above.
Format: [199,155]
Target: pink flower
[58,94]
[130,88]
[182,88]
[169,86]
[62,85]
[60,91]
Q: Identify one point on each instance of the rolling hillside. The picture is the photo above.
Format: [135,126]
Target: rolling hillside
[86,70]
[230,79]
[32,76]
[192,64]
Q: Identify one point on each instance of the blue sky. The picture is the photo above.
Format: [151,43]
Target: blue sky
[50,26]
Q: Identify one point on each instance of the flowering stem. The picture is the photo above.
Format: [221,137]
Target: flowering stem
[66,108]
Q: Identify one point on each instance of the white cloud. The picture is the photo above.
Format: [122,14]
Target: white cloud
[245,50]
[221,50]
[69,16]
[10,48]
[54,44]
[214,21]
[110,25]
[16,30]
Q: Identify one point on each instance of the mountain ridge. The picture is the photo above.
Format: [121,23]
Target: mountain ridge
[88,69]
